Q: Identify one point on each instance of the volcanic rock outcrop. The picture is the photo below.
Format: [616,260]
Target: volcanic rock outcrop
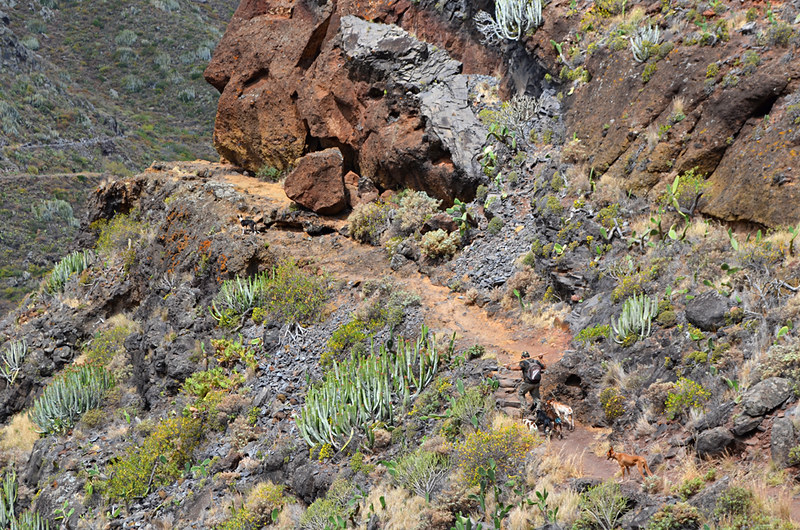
[303,78]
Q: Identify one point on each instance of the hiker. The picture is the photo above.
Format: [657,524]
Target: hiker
[531,378]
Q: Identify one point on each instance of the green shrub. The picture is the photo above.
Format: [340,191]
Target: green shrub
[118,233]
[333,506]
[601,507]
[269,173]
[157,461]
[230,352]
[612,402]
[690,185]
[55,211]
[685,395]
[438,244]
[260,509]
[107,344]
[368,221]
[735,501]
[74,263]
[507,445]
[414,209]
[125,37]
[780,34]
[288,293]
[421,472]
[495,225]
[649,71]
[75,391]
[470,405]
[794,455]
[689,487]
[593,334]
[199,384]
[667,319]
[678,516]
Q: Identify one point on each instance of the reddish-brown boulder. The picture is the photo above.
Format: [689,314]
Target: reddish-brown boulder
[316,182]
[299,77]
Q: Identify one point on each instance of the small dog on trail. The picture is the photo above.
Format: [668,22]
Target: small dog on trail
[247,224]
[564,413]
[626,462]
[531,425]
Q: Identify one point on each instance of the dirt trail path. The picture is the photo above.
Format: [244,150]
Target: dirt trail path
[445,310]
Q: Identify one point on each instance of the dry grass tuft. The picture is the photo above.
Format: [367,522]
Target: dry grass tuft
[645,425]
[520,518]
[542,315]
[557,467]
[402,508]
[17,439]
[615,375]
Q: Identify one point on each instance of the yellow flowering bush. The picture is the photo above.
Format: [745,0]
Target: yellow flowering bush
[263,503]
[507,445]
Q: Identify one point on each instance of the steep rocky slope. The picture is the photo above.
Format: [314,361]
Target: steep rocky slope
[593,232]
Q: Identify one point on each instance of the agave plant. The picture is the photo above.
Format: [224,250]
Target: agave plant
[68,396]
[74,263]
[642,43]
[360,392]
[11,359]
[637,313]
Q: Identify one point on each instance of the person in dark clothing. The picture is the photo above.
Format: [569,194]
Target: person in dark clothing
[531,379]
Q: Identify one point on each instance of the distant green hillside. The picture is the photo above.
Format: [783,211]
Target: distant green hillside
[106,85]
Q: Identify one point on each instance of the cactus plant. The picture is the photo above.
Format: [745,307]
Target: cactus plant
[637,313]
[11,359]
[74,263]
[68,396]
[359,392]
[8,498]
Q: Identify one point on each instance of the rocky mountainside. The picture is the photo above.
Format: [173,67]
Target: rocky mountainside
[105,86]
[320,331]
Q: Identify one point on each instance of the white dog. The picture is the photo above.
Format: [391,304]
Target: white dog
[564,413]
[531,425]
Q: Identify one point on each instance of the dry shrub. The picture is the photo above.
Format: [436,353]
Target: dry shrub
[542,315]
[645,423]
[471,296]
[17,439]
[403,509]
[529,286]
[615,375]
[558,467]
[520,517]
[609,190]
[657,394]
[578,178]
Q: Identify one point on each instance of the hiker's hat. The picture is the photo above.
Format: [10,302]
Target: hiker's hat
[526,355]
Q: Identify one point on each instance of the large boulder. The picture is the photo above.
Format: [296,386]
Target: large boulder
[707,311]
[316,183]
[766,396]
[714,442]
[301,77]
[782,440]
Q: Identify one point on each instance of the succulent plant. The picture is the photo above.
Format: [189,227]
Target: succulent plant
[68,396]
[11,360]
[360,392]
[74,263]
[637,313]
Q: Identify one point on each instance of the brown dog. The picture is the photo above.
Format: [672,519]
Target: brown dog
[627,461]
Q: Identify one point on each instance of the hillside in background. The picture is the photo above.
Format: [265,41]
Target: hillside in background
[106,85]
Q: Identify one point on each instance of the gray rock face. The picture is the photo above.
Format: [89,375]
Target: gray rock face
[766,395]
[782,440]
[745,424]
[707,311]
[714,441]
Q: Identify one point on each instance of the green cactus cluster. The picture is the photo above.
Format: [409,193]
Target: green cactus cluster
[68,396]
[11,360]
[74,263]
[27,520]
[634,322]
[358,393]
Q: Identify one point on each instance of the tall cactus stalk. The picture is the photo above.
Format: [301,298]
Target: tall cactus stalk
[638,312]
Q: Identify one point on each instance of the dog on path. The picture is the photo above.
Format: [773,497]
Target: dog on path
[247,224]
[626,462]
[564,413]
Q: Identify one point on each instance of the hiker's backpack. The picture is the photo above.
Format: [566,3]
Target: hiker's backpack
[531,372]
